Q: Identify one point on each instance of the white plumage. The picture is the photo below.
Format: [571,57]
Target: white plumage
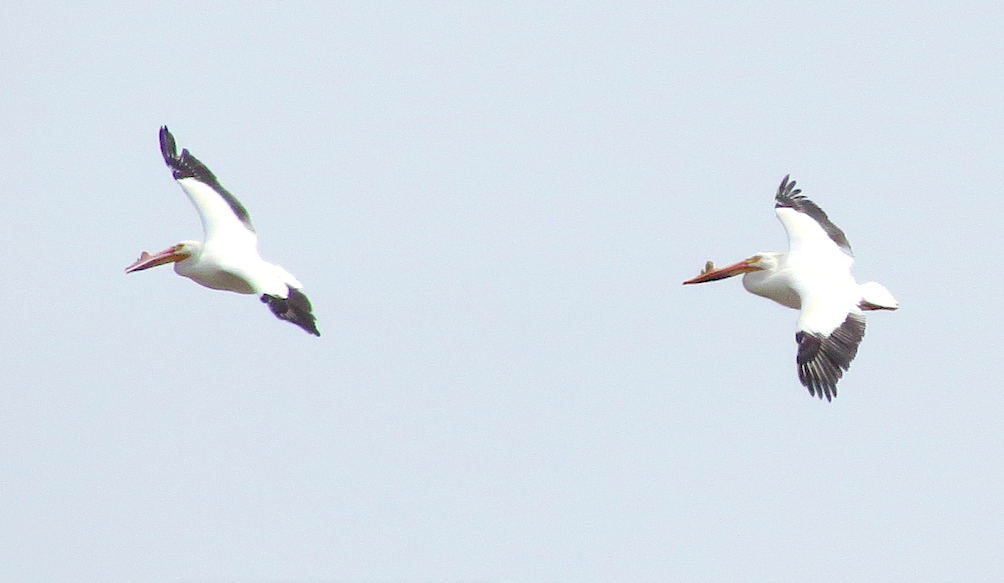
[228,258]
[814,277]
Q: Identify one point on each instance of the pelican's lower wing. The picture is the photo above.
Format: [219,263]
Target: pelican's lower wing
[294,308]
[823,358]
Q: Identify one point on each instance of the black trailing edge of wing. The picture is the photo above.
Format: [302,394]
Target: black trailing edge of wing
[295,309]
[790,197]
[822,360]
[188,166]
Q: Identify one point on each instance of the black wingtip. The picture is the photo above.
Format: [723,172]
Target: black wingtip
[168,148]
[827,390]
[180,166]
[787,189]
[295,309]
[185,165]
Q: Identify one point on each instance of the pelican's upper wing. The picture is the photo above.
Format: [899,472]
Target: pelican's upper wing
[224,218]
[809,230]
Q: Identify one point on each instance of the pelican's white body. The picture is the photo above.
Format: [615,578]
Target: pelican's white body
[228,259]
[814,277]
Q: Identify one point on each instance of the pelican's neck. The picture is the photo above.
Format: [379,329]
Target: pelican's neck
[193,250]
[771,282]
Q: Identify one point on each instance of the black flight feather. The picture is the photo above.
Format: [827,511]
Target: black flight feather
[295,308]
[822,360]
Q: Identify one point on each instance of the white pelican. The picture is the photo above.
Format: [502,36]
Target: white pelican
[814,276]
[228,259]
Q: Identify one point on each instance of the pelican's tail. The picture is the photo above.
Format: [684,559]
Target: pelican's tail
[876,297]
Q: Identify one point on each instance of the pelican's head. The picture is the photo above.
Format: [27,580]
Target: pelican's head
[759,262]
[172,254]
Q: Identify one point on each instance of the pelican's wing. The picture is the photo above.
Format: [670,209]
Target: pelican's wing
[294,308]
[809,230]
[224,218]
[830,328]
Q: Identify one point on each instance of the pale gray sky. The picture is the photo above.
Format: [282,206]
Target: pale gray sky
[492,209]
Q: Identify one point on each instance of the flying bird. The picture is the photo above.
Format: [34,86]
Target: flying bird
[814,276]
[228,258]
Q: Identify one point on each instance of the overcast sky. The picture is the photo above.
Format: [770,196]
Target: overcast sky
[492,209]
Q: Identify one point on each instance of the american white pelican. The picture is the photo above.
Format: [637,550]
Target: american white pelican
[228,259]
[814,276]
